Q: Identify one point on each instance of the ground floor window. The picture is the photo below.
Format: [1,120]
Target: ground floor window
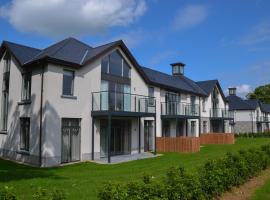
[204,126]
[120,137]
[24,133]
[193,128]
[71,140]
[165,128]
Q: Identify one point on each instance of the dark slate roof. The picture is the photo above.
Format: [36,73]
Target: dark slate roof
[207,86]
[265,107]
[69,50]
[178,83]
[237,103]
[253,103]
[20,52]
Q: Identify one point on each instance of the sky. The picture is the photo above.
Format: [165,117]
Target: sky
[216,39]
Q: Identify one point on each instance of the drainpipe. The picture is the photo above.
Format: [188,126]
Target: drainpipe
[40,116]
[252,128]
[200,117]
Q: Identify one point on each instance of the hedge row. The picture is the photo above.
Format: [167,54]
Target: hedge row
[211,180]
[8,193]
[253,135]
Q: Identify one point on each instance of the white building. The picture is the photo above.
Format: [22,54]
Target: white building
[250,116]
[73,102]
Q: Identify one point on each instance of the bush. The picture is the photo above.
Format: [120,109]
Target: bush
[211,180]
[7,193]
[181,185]
[253,135]
[44,194]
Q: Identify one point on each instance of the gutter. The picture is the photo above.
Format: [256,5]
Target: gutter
[40,116]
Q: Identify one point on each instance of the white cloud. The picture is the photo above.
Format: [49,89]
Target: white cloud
[259,34]
[71,17]
[131,38]
[190,16]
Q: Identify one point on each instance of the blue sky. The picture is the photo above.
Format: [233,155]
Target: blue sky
[216,39]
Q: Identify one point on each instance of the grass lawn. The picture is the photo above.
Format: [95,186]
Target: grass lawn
[262,193]
[81,181]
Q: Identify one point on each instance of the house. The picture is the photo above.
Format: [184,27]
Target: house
[179,99]
[215,114]
[73,102]
[249,115]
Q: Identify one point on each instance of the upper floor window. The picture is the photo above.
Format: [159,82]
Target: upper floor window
[203,105]
[116,65]
[151,94]
[26,86]
[5,92]
[68,83]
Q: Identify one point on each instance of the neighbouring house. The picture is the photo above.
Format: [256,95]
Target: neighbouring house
[72,102]
[215,114]
[249,115]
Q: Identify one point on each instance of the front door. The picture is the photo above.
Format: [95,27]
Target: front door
[70,140]
[148,135]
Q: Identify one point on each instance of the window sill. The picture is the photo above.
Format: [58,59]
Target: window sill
[23,152]
[24,102]
[68,97]
[3,132]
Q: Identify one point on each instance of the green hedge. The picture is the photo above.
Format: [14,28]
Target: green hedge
[210,181]
[253,135]
[8,193]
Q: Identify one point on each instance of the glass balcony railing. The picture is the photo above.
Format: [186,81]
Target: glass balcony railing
[179,108]
[260,119]
[221,113]
[122,102]
[267,119]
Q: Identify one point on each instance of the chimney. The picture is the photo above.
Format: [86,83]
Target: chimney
[178,68]
[232,91]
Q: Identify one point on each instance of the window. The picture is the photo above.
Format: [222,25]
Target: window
[115,64]
[204,126]
[26,87]
[5,92]
[24,133]
[178,69]
[68,82]
[203,105]
[193,128]
[151,94]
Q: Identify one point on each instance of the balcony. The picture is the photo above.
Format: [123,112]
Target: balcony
[122,104]
[267,119]
[260,119]
[221,113]
[180,109]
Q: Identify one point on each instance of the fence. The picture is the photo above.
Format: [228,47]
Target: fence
[178,144]
[217,138]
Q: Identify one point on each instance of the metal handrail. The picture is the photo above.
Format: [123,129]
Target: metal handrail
[179,108]
[123,102]
[221,113]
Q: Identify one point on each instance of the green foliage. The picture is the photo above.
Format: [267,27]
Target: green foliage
[253,135]
[44,194]
[7,193]
[181,185]
[261,93]
[211,180]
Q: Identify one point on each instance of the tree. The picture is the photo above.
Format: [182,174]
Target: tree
[261,93]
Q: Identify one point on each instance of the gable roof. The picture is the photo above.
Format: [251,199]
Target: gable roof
[253,103]
[208,87]
[20,52]
[176,83]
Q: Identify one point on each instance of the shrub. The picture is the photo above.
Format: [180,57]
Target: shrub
[180,185]
[44,194]
[7,193]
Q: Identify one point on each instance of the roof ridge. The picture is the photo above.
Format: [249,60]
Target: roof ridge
[62,46]
[108,43]
[22,45]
